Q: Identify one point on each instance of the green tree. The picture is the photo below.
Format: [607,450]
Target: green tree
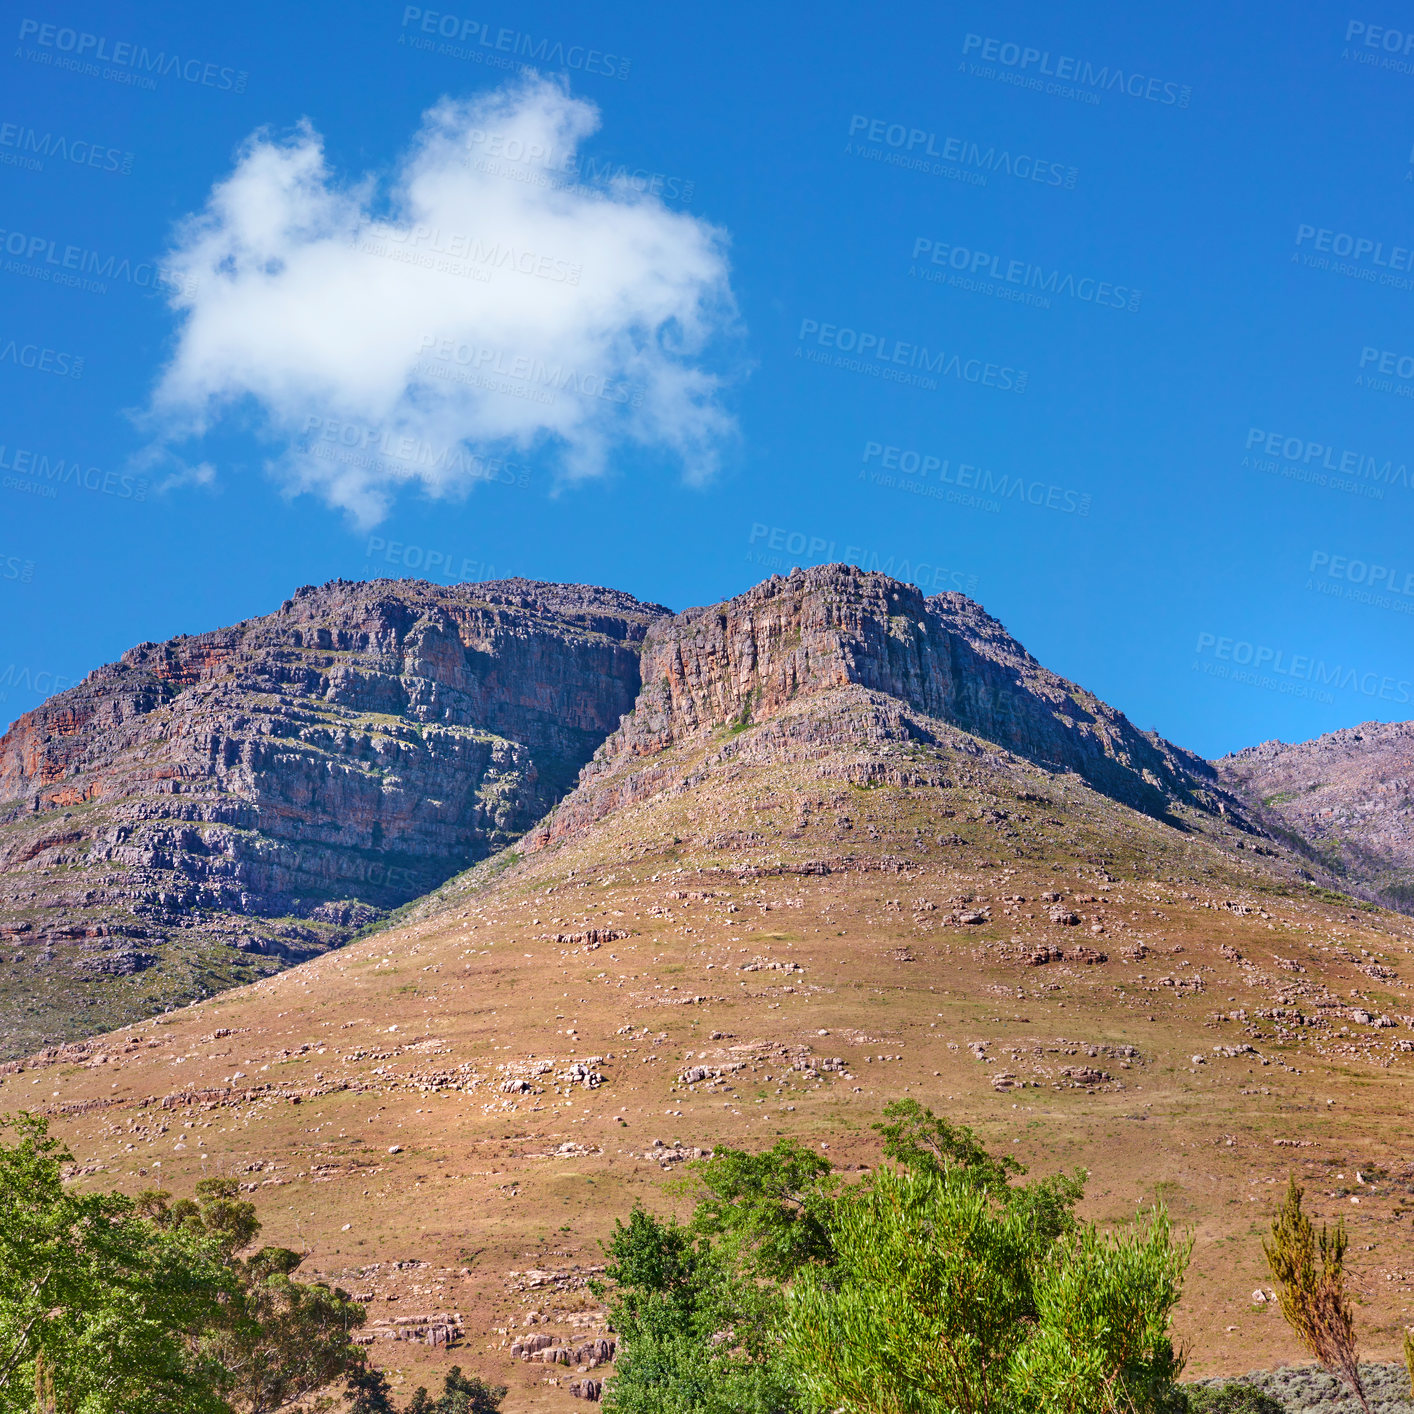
[917,1139]
[95,1297]
[675,1304]
[468,1394]
[368,1392]
[285,1339]
[276,1339]
[768,1212]
[1047,1205]
[946,1300]
[923,1142]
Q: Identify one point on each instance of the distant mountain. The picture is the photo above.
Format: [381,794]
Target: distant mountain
[1345,800]
[217,806]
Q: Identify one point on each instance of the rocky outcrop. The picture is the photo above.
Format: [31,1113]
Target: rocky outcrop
[272,787]
[872,656]
[1345,800]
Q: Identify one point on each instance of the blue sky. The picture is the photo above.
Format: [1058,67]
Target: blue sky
[1099,314]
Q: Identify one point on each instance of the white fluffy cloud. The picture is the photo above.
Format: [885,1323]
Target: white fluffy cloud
[479,303]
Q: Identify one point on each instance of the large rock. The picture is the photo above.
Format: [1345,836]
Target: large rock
[218,805]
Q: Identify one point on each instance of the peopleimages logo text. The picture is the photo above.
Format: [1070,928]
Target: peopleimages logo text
[124,54]
[373,446]
[1303,667]
[1387,361]
[879,352]
[44,682]
[798,545]
[1107,79]
[43,257]
[31,471]
[909,147]
[1395,579]
[969,483]
[26,146]
[1379,47]
[513,43]
[433,248]
[980,264]
[510,155]
[428,562]
[40,359]
[1352,247]
[1300,451]
[1391,41]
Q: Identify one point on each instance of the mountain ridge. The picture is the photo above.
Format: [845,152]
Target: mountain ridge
[831,627]
[209,809]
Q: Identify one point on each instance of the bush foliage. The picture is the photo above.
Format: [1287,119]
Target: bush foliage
[941,1284]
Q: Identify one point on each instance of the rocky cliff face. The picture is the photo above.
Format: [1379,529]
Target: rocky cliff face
[244,798]
[1345,799]
[820,631]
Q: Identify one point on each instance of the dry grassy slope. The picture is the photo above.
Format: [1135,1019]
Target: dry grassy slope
[303,1084]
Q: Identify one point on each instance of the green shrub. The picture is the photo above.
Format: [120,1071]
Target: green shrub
[944,1299]
[940,1287]
[1235,1397]
[1309,1272]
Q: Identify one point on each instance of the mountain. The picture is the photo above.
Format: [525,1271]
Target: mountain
[210,808]
[839,632]
[849,845]
[1345,800]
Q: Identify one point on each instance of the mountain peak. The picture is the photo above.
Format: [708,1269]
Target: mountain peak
[815,633]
